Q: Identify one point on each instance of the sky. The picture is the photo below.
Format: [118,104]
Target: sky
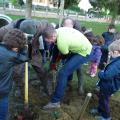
[85,5]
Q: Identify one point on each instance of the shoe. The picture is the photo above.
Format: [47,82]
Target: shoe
[51,105]
[92,75]
[102,118]
[88,72]
[94,111]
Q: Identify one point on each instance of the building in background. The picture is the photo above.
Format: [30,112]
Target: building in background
[42,2]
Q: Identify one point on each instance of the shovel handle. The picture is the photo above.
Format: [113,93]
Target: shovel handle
[26,83]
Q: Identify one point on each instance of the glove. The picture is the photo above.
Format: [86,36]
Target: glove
[58,58]
[53,66]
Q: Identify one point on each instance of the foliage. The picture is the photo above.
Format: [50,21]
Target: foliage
[17,2]
[112,5]
[20,2]
[74,8]
[68,3]
[14,2]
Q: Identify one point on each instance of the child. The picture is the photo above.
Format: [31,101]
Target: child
[12,52]
[108,37]
[96,55]
[109,82]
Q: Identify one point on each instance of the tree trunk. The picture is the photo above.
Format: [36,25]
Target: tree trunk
[61,13]
[4,7]
[113,19]
[28,10]
[47,5]
[115,12]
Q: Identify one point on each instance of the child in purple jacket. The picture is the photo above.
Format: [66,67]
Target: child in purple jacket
[95,55]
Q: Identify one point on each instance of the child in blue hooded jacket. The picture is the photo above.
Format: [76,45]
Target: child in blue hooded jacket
[109,82]
[12,52]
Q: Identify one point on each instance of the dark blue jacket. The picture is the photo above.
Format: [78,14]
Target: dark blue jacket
[110,77]
[108,37]
[8,59]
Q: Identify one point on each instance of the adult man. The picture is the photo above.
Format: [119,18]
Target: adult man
[68,41]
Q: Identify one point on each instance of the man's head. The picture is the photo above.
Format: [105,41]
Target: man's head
[50,34]
[68,22]
[114,48]
[15,39]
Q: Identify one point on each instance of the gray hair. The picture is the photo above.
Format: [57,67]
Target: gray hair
[114,46]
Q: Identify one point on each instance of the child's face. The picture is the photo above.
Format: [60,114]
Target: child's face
[52,38]
[114,54]
[15,49]
[112,30]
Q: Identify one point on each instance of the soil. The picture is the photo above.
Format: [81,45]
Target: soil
[68,111]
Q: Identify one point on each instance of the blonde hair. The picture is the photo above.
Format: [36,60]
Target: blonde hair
[114,46]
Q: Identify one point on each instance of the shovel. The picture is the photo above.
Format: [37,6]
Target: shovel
[27,113]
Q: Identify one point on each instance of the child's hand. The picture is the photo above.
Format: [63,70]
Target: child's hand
[105,63]
[15,49]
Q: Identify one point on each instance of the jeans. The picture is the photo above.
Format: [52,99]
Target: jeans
[104,107]
[3,108]
[79,77]
[62,79]
[79,74]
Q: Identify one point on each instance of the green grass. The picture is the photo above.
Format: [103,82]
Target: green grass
[97,27]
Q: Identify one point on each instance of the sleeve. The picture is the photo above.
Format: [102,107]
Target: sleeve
[97,55]
[63,48]
[65,51]
[20,57]
[109,72]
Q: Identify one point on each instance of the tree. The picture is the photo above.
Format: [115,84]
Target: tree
[20,2]
[68,3]
[17,2]
[28,8]
[14,2]
[61,12]
[112,5]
